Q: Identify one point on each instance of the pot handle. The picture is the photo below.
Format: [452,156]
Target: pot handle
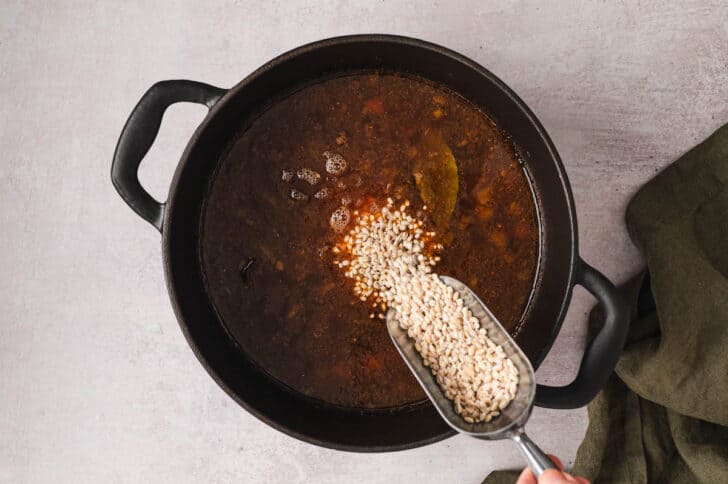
[601,354]
[138,135]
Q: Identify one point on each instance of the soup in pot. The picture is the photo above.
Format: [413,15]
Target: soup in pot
[294,182]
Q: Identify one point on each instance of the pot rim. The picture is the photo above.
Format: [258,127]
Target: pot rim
[272,64]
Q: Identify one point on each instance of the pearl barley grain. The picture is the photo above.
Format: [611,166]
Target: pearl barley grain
[390,258]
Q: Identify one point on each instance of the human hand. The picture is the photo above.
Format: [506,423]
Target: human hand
[550,476]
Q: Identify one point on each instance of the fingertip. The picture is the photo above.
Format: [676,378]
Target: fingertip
[552,476]
[526,477]
[556,461]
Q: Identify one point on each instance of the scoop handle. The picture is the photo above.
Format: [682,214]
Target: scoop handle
[537,459]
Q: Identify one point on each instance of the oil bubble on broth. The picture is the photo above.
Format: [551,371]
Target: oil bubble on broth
[340,219]
[335,163]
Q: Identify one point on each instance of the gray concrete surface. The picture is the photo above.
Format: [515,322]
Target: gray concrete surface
[96,381]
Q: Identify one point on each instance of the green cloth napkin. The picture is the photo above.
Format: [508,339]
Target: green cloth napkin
[663,415]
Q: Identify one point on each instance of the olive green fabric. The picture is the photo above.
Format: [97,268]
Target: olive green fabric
[663,416]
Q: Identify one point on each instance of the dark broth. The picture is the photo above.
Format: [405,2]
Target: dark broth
[267,257]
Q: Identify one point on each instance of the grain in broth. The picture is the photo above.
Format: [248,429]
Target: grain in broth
[267,234]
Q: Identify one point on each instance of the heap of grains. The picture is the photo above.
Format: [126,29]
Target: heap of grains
[390,258]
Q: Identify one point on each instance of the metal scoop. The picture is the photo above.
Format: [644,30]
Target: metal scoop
[509,424]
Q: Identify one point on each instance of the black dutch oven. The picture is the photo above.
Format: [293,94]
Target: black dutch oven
[560,266]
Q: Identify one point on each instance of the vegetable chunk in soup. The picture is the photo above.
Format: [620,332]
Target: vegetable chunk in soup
[294,182]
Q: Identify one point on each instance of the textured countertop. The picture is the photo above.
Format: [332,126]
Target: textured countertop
[96,381]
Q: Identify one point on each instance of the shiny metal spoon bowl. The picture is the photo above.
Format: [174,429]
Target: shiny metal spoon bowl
[509,424]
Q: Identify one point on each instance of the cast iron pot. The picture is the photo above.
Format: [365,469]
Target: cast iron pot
[560,266]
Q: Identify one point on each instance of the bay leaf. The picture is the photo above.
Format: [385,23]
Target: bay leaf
[436,177]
